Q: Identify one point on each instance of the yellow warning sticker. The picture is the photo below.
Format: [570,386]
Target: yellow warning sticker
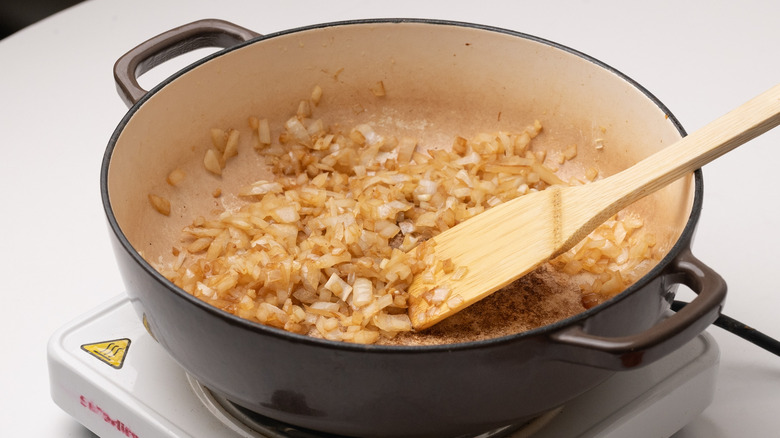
[112,352]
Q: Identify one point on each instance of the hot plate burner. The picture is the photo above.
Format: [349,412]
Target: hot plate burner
[110,375]
[246,421]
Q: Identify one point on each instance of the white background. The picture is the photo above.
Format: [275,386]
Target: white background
[58,107]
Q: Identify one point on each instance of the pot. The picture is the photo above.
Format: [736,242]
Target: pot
[442,78]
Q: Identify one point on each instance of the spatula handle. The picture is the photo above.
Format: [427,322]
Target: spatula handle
[742,124]
[591,204]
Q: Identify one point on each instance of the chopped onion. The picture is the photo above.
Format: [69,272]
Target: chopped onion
[261,187]
[362,292]
[211,162]
[339,287]
[175,177]
[329,245]
[439,295]
[297,131]
[393,323]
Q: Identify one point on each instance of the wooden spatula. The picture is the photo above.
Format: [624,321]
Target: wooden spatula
[505,242]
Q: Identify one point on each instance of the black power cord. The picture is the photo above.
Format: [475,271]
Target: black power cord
[740,329]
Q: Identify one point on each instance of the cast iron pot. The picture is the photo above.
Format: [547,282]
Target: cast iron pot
[442,79]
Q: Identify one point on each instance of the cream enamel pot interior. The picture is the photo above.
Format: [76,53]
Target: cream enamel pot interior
[442,79]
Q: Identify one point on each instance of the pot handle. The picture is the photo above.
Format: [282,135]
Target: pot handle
[620,353]
[170,44]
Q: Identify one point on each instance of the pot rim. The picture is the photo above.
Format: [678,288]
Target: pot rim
[682,242]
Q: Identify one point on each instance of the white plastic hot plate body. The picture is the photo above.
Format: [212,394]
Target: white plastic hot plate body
[110,375]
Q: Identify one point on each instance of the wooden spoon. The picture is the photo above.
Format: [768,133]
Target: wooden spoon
[506,242]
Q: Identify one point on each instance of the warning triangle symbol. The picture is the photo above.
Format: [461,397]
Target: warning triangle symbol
[112,352]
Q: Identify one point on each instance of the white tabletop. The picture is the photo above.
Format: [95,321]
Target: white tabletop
[58,107]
